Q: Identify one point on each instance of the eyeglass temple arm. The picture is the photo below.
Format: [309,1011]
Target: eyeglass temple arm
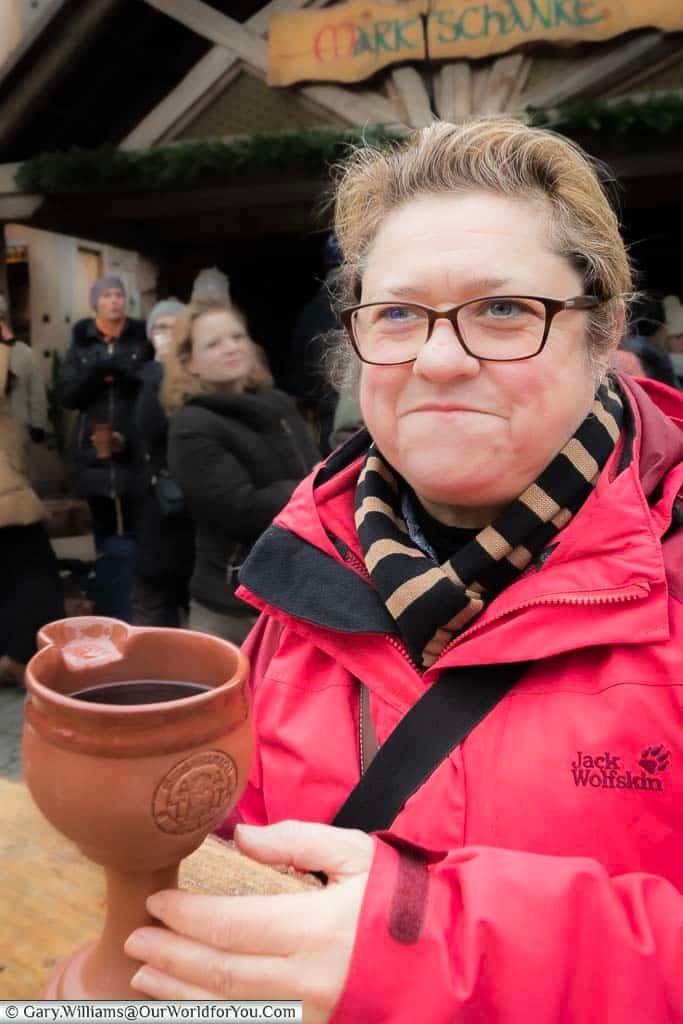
[582,302]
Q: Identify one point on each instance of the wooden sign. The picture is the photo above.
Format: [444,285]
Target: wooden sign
[351,41]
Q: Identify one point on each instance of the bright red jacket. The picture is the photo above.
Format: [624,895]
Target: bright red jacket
[544,874]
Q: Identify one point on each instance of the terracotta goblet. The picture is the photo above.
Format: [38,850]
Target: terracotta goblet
[136,785]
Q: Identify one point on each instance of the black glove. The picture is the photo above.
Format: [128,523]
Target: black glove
[37,434]
[119,365]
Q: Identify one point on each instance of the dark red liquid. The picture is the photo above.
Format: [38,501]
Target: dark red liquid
[139,691]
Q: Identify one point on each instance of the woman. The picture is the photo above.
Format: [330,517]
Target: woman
[510,505]
[237,447]
[31,592]
[164,531]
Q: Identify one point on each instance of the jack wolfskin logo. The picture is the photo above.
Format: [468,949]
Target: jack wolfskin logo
[607,771]
[654,759]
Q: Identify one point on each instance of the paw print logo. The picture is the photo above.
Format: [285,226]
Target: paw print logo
[654,759]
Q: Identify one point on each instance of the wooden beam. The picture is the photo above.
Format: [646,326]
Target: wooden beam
[513,104]
[8,182]
[480,83]
[501,82]
[454,91]
[355,107]
[52,62]
[411,90]
[29,37]
[211,24]
[643,75]
[595,75]
[213,69]
[18,208]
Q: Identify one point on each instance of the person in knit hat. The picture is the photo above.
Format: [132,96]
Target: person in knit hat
[100,378]
[160,324]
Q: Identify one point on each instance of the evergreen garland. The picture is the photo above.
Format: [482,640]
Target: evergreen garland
[206,161]
[231,161]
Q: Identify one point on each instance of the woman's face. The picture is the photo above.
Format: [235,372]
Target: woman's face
[221,349]
[470,436]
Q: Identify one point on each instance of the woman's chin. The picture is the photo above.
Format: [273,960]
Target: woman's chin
[448,482]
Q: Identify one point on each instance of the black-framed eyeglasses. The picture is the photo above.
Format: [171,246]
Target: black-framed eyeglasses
[494,328]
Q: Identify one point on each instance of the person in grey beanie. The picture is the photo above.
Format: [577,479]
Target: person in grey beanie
[164,555]
[160,324]
[100,378]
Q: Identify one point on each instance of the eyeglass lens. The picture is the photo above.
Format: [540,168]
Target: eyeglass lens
[492,328]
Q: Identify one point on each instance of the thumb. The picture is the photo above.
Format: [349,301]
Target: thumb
[307,846]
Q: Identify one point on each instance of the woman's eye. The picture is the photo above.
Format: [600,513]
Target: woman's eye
[503,308]
[395,314]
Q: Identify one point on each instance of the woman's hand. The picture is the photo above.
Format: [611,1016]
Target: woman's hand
[291,946]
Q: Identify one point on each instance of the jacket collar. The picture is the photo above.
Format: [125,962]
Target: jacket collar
[86,332]
[609,556]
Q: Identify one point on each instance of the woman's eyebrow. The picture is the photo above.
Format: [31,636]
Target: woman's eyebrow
[478,285]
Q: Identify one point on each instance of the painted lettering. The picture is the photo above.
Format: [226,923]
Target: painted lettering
[499,17]
[382,28]
[333,42]
[561,14]
[441,18]
[545,18]
[461,27]
[401,41]
[516,16]
[362,42]
[583,6]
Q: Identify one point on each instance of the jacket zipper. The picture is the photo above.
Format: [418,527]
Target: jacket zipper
[632,595]
[286,429]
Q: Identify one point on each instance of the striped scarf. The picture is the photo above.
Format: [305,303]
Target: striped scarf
[433,603]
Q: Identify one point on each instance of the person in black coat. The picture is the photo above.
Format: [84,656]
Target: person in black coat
[164,531]
[237,447]
[100,378]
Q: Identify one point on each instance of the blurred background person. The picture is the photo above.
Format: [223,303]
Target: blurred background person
[307,379]
[237,447]
[100,378]
[31,593]
[164,531]
[28,398]
[348,419]
[640,357]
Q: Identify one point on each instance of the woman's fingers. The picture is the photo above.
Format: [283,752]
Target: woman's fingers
[160,986]
[269,925]
[308,846]
[176,963]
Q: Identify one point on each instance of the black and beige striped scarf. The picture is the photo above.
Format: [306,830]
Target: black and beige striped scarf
[432,603]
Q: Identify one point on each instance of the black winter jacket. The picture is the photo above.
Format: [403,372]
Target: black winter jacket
[101,381]
[238,458]
[165,544]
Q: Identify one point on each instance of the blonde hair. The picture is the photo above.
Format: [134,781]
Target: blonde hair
[498,155]
[179,385]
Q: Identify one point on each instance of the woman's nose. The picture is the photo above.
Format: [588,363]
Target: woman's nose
[443,357]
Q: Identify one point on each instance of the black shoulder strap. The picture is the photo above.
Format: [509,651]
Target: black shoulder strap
[425,736]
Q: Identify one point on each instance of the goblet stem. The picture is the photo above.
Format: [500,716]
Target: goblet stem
[106,972]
